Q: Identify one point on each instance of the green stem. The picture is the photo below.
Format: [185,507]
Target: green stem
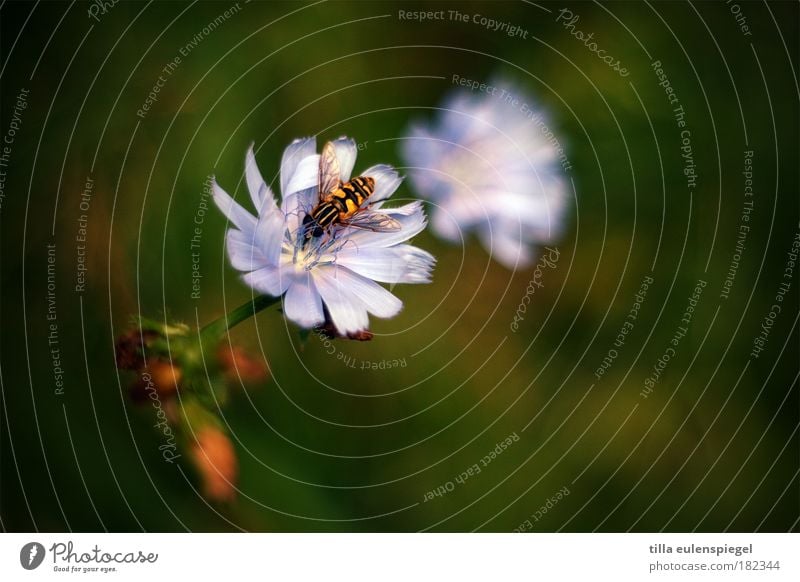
[220,326]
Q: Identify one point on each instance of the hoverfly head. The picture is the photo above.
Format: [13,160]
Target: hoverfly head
[311,228]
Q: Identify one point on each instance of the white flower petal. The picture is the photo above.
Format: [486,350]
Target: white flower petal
[412,221]
[445,226]
[269,280]
[302,303]
[430,181]
[420,146]
[413,209]
[347,313]
[346,152]
[506,247]
[260,193]
[378,301]
[292,155]
[305,176]
[397,264]
[387,180]
[269,234]
[240,217]
[243,254]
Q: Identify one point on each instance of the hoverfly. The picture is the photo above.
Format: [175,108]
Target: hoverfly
[343,203]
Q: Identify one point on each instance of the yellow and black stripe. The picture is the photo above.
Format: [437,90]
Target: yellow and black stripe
[339,205]
[349,197]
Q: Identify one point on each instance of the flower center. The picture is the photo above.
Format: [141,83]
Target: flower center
[304,256]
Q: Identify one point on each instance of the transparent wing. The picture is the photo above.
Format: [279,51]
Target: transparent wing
[328,170]
[371,220]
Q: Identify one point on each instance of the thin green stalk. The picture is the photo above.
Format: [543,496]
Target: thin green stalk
[220,326]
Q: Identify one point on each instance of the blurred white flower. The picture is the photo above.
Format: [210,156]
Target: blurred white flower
[329,280]
[490,166]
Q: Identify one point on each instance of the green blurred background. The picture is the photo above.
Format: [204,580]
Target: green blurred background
[326,447]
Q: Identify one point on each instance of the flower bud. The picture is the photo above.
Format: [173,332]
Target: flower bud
[166,377]
[237,365]
[129,348]
[329,330]
[215,460]
[159,379]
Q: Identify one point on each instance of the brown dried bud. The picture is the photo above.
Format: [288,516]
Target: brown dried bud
[237,364]
[329,331]
[159,379]
[166,377]
[215,460]
[129,349]
[364,335]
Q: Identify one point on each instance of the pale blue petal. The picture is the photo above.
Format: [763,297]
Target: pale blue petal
[348,314]
[302,303]
[506,247]
[377,300]
[423,149]
[269,280]
[397,264]
[445,226]
[387,180]
[243,254]
[292,155]
[305,176]
[412,221]
[240,217]
[260,193]
[346,153]
[269,234]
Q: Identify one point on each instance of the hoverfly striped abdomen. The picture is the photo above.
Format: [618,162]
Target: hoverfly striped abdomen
[342,203]
[351,196]
[338,205]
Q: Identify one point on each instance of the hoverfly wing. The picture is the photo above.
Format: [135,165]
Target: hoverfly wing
[329,174]
[371,220]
